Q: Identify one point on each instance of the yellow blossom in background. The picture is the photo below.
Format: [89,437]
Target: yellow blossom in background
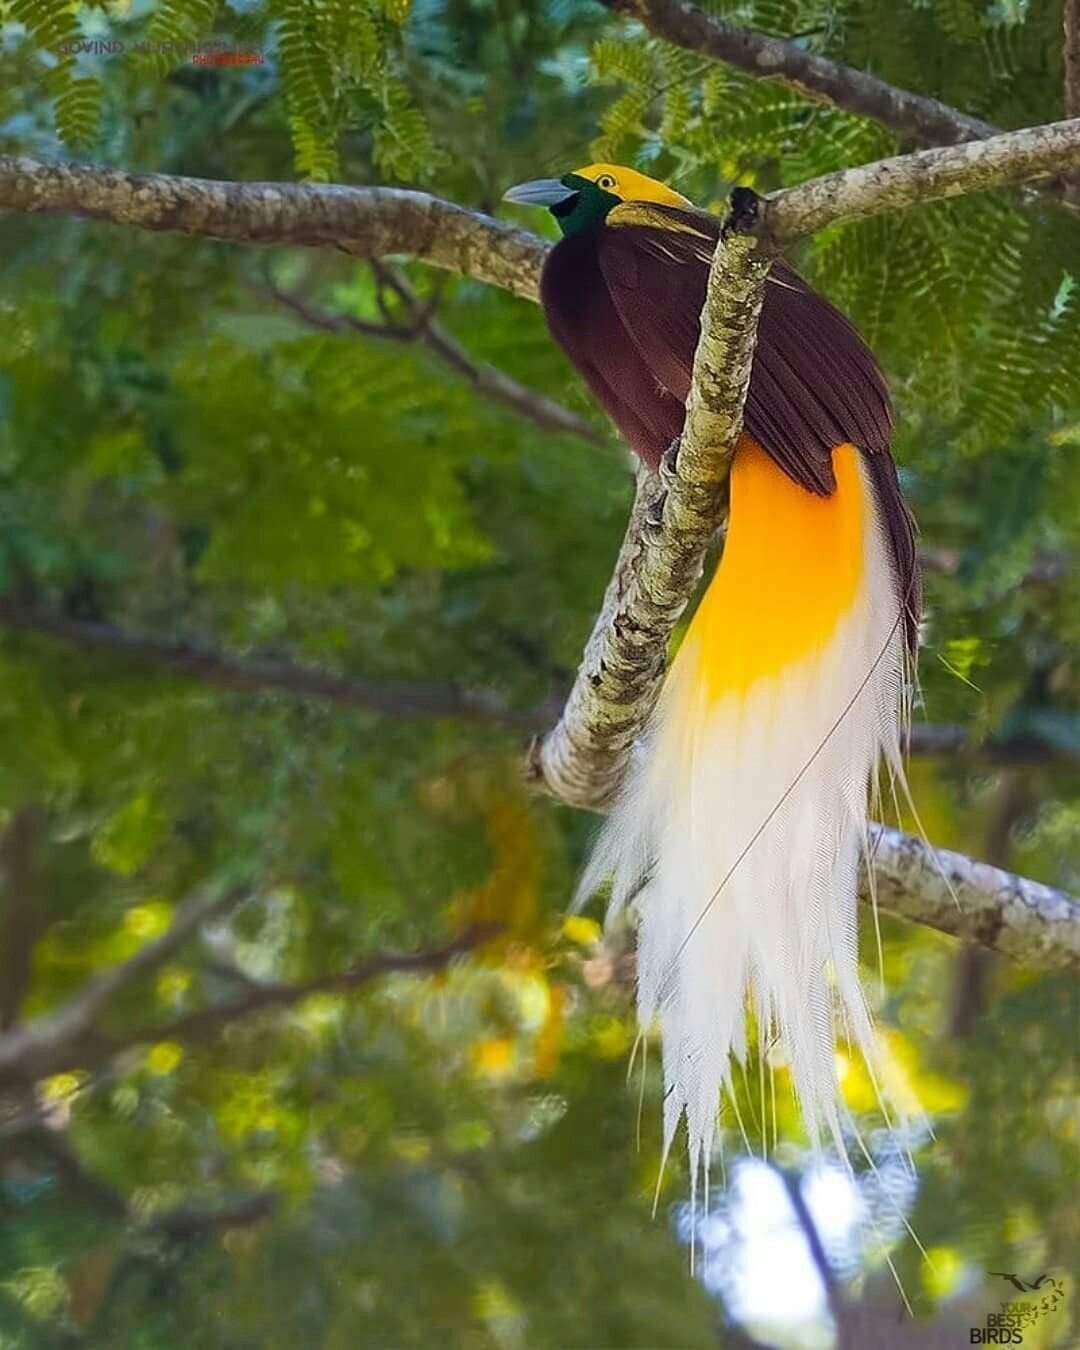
[60,1087]
[610,1037]
[582,930]
[494,1304]
[41,1290]
[413,1148]
[252,1105]
[148,920]
[163,1058]
[319,1012]
[172,984]
[463,1135]
[493,1057]
[549,1039]
[531,995]
[912,1088]
[941,1270]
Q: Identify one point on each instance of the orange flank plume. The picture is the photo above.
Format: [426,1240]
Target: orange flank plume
[792,566]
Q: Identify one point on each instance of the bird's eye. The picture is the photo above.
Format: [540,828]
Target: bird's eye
[606,182]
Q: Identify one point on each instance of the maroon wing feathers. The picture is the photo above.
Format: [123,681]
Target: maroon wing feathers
[624,303]
[583,320]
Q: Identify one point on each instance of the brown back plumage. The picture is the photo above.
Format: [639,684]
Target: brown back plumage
[624,300]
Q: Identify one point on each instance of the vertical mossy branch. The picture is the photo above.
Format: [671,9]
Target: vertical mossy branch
[675,516]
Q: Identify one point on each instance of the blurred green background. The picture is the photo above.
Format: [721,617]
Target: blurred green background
[194,449]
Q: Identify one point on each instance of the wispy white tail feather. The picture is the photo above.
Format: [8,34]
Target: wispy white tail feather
[738,838]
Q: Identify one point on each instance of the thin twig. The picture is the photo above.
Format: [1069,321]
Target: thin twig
[60,1047]
[178,1225]
[204,1023]
[406,700]
[487,380]
[826,1274]
[34,1050]
[765,57]
[394,698]
[1043,570]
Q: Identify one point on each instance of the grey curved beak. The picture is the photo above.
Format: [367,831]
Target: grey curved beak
[540,192]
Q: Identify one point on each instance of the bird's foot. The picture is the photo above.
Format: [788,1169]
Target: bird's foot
[743,216]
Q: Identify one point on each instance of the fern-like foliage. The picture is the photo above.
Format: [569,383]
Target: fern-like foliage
[959,299]
[342,66]
[341,70]
[174,29]
[52,26]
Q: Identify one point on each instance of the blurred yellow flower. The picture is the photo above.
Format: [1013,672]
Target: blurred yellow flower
[41,1290]
[172,984]
[60,1086]
[493,1056]
[468,1134]
[148,920]
[610,1036]
[412,1148]
[904,1081]
[163,1058]
[581,930]
[941,1270]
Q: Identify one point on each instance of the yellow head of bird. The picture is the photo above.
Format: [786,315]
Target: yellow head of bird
[583,199]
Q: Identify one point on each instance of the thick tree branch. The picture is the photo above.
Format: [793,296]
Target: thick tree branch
[55,1045]
[903,181]
[1032,923]
[1071,61]
[368,222]
[372,222]
[582,758]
